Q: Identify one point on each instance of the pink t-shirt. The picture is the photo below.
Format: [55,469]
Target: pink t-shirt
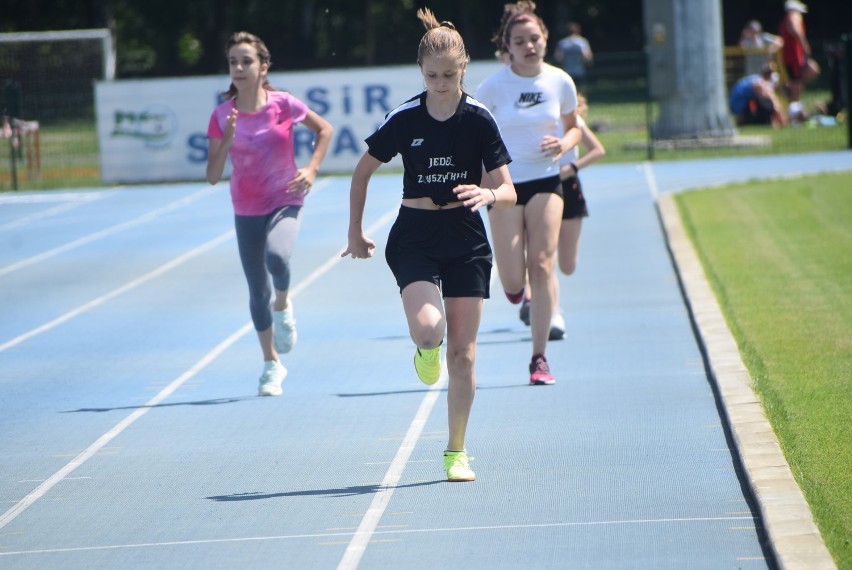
[262,154]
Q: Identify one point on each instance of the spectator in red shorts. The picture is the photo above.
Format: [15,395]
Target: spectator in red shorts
[796,55]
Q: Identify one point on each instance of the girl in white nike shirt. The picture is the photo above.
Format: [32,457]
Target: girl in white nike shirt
[535,106]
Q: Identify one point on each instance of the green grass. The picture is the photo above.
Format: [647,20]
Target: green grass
[69,159]
[623,131]
[779,257]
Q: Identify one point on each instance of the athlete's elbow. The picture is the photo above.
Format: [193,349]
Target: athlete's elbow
[325,130]
[510,196]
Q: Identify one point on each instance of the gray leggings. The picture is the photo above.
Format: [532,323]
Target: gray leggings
[265,244]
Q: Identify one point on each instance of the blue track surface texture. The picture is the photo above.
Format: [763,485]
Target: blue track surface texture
[131,436]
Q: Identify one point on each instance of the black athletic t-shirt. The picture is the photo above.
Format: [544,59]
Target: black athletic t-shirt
[439,155]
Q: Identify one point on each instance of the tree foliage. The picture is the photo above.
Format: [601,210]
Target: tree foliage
[186,37]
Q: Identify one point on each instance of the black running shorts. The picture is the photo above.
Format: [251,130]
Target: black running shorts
[526,190]
[446,247]
[575,202]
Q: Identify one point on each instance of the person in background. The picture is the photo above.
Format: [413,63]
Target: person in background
[574,54]
[753,100]
[534,104]
[438,245]
[796,54]
[573,212]
[754,37]
[254,127]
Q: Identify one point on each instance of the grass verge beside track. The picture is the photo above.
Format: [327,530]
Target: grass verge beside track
[778,255]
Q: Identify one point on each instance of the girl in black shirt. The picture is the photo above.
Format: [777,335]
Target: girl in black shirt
[438,245]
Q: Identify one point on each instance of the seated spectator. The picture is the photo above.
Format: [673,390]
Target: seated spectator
[753,99]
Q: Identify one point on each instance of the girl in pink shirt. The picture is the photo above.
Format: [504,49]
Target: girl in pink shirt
[254,127]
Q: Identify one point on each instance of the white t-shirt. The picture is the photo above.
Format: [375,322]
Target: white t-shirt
[526,109]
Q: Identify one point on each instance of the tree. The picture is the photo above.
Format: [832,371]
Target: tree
[686,68]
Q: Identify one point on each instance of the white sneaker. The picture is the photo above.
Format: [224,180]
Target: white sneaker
[271,379]
[557,326]
[284,333]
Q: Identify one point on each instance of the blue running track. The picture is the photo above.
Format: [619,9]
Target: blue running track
[131,436]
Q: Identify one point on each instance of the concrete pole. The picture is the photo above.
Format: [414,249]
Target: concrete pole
[686,68]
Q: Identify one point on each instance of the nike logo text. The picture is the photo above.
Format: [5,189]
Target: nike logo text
[527,100]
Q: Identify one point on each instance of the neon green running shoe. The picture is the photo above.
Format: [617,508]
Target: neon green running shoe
[457,466]
[427,363]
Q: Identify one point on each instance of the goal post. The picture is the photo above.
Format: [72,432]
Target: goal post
[47,102]
[101,34]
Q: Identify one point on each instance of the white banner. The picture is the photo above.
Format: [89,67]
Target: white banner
[155,130]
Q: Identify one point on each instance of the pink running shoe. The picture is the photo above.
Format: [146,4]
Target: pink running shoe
[540,371]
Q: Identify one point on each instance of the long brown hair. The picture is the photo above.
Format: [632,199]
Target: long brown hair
[262,54]
[515,13]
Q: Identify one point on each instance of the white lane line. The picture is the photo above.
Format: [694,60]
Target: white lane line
[181,259]
[70,205]
[106,232]
[367,528]
[50,197]
[42,480]
[384,532]
[651,179]
[370,521]
[105,439]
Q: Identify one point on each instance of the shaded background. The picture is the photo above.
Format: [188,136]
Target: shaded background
[161,38]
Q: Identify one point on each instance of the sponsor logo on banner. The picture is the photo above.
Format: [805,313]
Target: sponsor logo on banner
[155,125]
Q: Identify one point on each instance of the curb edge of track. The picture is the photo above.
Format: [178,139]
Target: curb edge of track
[788,522]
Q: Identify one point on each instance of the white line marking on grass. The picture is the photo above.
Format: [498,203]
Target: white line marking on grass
[532,526]
[105,439]
[179,260]
[106,232]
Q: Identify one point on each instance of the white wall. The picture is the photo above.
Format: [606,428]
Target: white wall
[156,129]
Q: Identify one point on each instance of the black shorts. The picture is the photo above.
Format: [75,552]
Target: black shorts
[575,202]
[446,247]
[758,111]
[526,190]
